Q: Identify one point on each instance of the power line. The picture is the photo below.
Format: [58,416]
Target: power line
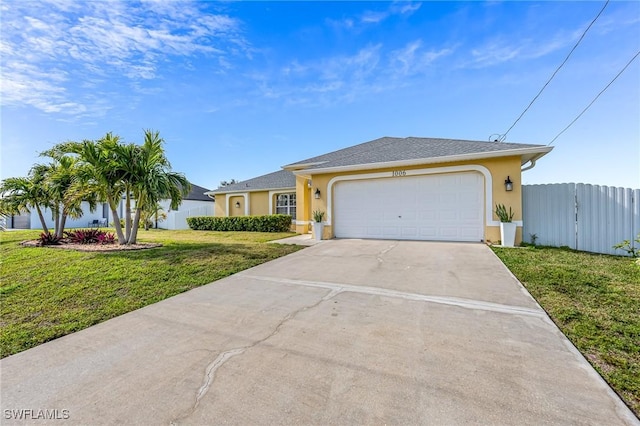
[504,136]
[594,99]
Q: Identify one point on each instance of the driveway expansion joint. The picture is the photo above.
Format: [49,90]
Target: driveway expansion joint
[377,291]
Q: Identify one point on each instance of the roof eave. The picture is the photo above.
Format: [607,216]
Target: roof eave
[245,190]
[301,166]
[525,154]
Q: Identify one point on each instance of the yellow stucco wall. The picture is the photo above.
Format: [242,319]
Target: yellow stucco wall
[499,169]
[303,205]
[220,206]
[259,203]
[233,210]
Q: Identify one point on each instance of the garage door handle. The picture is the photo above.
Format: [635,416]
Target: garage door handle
[399,217]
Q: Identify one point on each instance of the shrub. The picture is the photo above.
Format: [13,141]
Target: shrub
[503,215]
[113,225]
[631,249]
[318,216]
[90,236]
[48,239]
[267,223]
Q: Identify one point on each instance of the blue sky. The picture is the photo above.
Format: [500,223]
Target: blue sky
[238,89]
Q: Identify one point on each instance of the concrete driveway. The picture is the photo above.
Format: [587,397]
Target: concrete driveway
[344,332]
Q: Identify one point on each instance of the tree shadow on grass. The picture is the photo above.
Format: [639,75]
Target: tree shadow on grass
[178,251]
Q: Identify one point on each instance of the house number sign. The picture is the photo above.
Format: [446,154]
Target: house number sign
[398,173]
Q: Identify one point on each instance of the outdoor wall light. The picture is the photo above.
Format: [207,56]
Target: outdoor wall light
[508,185]
[237,204]
[309,183]
[317,194]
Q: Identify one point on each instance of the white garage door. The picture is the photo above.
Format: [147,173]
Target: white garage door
[446,207]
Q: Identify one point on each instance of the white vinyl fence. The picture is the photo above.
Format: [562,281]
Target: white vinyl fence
[178,219]
[581,216]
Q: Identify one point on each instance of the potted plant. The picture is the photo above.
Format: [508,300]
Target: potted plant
[507,227]
[318,226]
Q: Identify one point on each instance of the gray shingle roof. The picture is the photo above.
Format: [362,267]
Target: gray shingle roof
[197,193]
[388,149]
[275,180]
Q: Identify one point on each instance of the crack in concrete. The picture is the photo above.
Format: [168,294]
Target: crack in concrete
[222,358]
[385,251]
[210,372]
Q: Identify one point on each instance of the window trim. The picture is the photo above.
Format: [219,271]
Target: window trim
[272,205]
[288,206]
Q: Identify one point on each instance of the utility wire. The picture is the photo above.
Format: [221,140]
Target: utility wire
[594,99]
[504,136]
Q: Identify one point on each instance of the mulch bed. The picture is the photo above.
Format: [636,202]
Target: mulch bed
[93,247]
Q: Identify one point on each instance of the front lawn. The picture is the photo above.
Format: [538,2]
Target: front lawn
[46,293]
[595,301]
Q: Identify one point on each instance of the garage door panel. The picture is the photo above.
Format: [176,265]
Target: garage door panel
[390,231]
[372,231]
[409,231]
[409,215]
[448,199]
[428,232]
[467,216]
[433,207]
[427,215]
[426,199]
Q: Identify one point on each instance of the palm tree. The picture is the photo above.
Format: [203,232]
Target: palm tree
[59,177]
[100,173]
[152,215]
[152,179]
[109,171]
[21,194]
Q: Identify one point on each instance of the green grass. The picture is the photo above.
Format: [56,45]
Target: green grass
[595,301]
[46,293]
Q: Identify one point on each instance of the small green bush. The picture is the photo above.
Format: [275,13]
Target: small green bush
[630,248]
[267,223]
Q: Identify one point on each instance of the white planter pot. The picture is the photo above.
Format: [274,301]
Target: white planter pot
[318,227]
[508,233]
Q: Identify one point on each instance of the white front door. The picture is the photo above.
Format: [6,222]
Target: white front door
[445,207]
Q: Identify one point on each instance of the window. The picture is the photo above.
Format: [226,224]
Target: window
[286,204]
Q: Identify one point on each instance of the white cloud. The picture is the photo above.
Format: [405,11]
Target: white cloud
[372,17]
[56,55]
[499,50]
[346,78]
[412,59]
[494,53]
[405,7]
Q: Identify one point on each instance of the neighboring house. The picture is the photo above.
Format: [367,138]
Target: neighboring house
[394,188]
[196,203]
[102,214]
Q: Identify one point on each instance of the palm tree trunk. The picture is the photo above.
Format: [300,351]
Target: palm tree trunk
[116,222]
[63,221]
[134,232]
[127,217]
[56,219]
[42,221]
